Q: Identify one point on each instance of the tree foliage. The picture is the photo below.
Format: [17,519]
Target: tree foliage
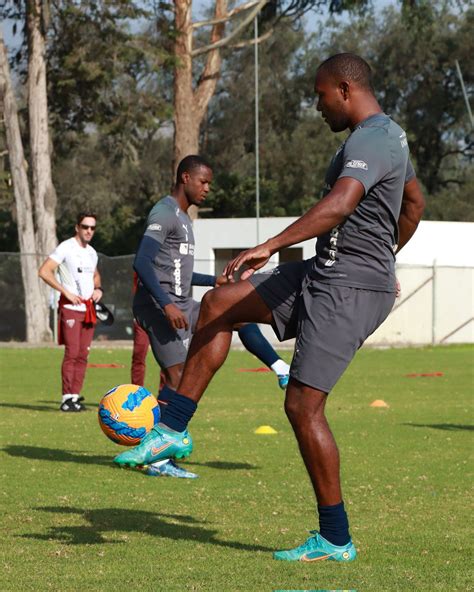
[111,104]
[413,55]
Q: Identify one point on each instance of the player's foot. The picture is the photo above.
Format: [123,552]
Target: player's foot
[168,469]
[159,444]
[283,381]
[72,405]
[317,548]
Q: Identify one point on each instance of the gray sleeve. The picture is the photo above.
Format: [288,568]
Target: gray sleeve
[410,174]
[366,156]
[160,223]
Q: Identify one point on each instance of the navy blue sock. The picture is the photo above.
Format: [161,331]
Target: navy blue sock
[254,341]
[166,394]
[333,524]
[178,412]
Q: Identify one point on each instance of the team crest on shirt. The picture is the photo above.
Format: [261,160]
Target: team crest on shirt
[70,323]
[357,164]
[183,248]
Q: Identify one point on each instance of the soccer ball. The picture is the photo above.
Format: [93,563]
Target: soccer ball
[127,412]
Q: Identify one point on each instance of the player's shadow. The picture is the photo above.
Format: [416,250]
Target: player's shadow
[29,407]
[442,426]
[88,405]
[227,466]
[107,525]
[57,455]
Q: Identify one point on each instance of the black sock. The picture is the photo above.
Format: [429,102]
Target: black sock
[333,524]
[166,394]
[254,341]
[178,412]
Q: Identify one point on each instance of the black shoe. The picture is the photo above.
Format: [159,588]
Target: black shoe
[79,400]
[71,406]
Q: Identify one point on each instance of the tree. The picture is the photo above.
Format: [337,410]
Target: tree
[415,69]
[44,194]
[191,99]
[415,82]
[37,322]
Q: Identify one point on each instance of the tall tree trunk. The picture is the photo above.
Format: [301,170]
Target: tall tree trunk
[37,320]
[186,122]
[44,194]
[190,105]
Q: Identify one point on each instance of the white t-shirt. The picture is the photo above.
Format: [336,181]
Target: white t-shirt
[76,269]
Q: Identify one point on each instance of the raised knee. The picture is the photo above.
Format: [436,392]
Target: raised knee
[211,304]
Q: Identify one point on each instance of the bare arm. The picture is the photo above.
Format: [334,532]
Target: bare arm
[330,211]
[413,204]
[97,293]
[46,273]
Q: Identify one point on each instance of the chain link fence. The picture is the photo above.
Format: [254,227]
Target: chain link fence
[436,304]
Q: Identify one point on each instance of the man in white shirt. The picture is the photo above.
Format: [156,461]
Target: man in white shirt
[75,261]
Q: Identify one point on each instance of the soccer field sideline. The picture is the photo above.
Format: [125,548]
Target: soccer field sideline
[73,522]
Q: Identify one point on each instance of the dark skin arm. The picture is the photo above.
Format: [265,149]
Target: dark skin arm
[330,211]
[413,204]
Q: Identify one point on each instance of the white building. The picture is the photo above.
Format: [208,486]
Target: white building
[436,272]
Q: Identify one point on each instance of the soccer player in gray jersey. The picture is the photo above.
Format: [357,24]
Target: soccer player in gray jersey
[163,305]
[331,303]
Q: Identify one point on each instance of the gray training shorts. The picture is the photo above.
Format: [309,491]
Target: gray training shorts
[330,322]
[169,347]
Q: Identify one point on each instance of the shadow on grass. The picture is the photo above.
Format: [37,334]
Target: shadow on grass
[89,404]
[58,455]
[26,407]
[103,521]
[228,466]
[442,426]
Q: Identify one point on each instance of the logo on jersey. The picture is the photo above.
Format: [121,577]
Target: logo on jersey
[357,164]
[177,277]
[186,249]
[70,323]
[154,227]
[403,140]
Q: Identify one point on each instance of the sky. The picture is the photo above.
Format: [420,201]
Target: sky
[199,7]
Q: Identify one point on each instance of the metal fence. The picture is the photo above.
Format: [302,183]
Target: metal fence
[436,304]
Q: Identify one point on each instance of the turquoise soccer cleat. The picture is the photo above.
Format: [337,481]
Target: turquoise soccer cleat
[317,548]
[283,380]
[168,469]
[159,444]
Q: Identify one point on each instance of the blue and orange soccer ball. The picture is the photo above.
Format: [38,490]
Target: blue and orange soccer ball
[127,412]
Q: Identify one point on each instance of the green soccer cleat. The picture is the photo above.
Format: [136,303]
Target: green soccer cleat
[158,444]
[317,548]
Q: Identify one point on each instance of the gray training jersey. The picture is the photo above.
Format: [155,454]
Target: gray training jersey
[172,228]
[360,252]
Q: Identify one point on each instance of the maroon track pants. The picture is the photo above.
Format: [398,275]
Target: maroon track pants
[77,337]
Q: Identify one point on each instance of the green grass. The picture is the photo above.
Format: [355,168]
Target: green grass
[72,521]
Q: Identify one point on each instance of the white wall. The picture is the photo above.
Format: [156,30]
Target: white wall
[435,269]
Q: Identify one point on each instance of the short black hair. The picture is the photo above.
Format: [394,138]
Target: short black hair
[82,215]
[349,66]
[189,164]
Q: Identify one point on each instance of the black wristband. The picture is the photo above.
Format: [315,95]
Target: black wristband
[99,288]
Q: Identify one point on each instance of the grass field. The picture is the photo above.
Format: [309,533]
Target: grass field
[72,521]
